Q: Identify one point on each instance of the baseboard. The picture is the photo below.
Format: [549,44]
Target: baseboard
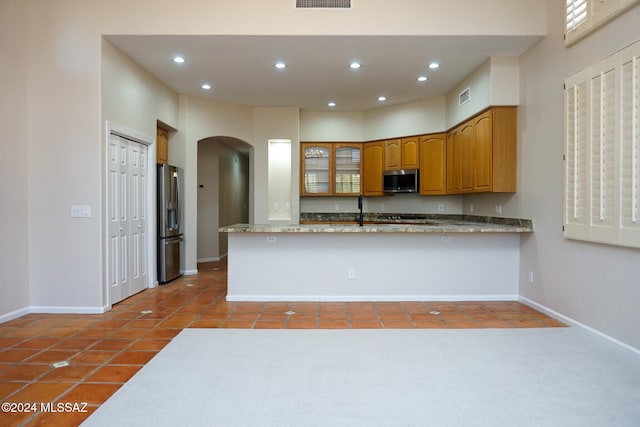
[367,298]
[552,313]
[214,259]
[69,310]
[14,314]
[190,272]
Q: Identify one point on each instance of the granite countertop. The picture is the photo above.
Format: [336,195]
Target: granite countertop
[390,223]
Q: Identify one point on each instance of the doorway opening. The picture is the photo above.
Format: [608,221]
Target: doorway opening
[223,192]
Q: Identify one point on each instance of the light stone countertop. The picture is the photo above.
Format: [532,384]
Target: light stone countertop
[425,226]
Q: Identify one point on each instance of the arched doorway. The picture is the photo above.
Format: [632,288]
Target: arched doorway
[223,192]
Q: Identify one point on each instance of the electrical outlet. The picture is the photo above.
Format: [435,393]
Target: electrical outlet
[271,239]
[446,238]
[440,207]
[351,273]
[531,277]
[499,209]
[337,207]
[471,208]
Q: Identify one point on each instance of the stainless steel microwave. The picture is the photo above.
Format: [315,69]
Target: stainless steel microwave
[401,181]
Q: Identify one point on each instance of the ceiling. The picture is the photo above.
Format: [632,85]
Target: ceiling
[241,68]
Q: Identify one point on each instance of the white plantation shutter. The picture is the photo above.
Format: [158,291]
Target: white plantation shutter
[630,147]
[603,149]
[576,150]
[576,14]
[584,17]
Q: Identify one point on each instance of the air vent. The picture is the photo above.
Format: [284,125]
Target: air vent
[464,96]
[323,4]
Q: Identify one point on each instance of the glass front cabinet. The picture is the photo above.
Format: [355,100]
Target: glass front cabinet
[330,169]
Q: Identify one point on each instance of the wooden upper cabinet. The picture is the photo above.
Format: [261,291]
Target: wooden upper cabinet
[453,162]
[330,169]
[433,167]
[504,149]
[402,153]
[392,155]
[466,147]
[372,168]
[317,169]
[410,153]
[347,169]
[162,147]
[482,153]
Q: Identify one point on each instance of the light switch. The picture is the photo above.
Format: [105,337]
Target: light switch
[78,211]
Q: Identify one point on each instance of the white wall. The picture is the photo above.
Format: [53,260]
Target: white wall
[201,119]
[208,243]
[595,284]
[494,82]
[133,99]
[58,47]
[505,80]
[14,269]
[338,126]
[233,170]
[427,268]
[274,123]
[414,118]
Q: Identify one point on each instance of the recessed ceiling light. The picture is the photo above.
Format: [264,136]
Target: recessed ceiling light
[280,65]
[422,78]
[178,59]
[355,65]
[331,104]
[434,65]
[382,98]
[206,86]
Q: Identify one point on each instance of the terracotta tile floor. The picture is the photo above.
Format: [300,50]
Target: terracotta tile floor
[105,350]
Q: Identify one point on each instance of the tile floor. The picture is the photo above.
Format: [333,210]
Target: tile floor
[104,351]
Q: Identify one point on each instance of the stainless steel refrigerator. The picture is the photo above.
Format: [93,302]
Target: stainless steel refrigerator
[169,213]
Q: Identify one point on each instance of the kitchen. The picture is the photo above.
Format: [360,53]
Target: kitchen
[568,274]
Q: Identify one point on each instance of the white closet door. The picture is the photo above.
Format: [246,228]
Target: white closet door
[127,204]
[138,218]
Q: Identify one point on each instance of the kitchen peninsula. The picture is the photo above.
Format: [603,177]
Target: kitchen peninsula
[389,258]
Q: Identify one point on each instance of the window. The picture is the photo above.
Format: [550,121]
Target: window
[602,151]
[585,16]
[576,14]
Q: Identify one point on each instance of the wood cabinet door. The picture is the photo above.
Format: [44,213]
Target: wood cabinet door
[372,168]
[483,152]
[162,148]
[410,153]
[433,179]
[453,162]
[392,155]
[466,143]
[348,169]
[317,169]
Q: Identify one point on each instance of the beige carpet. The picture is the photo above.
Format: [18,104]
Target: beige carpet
[490,377]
